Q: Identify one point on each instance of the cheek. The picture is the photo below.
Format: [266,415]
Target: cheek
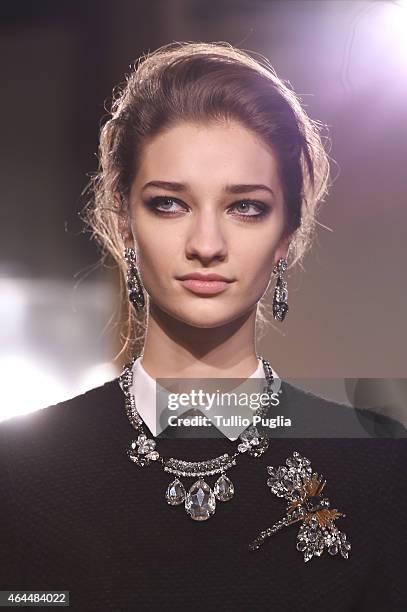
[255,267]
[255,262]
[156,259]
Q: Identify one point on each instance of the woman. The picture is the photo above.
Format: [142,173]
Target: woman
[209,166]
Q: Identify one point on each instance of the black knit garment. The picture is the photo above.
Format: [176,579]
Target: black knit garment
[77,515]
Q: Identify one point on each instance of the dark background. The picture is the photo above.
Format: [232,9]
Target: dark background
[348,61]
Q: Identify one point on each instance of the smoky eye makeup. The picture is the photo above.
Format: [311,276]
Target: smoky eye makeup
[246,209]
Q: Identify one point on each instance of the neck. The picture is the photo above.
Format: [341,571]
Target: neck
[175,349]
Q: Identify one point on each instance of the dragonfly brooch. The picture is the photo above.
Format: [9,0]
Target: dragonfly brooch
[302,488]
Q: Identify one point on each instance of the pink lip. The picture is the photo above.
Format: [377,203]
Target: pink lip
[204,287]
[205,277]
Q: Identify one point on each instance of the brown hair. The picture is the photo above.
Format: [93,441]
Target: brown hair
[201,82]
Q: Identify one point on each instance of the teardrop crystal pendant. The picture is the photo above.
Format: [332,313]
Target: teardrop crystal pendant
[224,489]
[175,493]
[200,502]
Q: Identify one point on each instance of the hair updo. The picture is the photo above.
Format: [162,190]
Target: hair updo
[187,81]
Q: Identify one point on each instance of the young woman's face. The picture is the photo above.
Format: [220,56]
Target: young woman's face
[221,212]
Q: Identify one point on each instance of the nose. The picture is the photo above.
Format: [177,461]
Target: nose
[205,239]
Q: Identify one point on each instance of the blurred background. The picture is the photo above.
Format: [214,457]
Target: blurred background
[59,63]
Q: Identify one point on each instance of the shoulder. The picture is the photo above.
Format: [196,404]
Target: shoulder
[67,416]
[336,418]
[66,438]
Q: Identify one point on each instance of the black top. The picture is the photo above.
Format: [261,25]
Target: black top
[76,514]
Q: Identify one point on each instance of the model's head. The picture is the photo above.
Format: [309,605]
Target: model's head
[208,164]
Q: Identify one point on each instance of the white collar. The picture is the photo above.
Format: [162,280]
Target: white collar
[146,394]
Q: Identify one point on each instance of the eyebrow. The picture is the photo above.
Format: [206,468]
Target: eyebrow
[241,188]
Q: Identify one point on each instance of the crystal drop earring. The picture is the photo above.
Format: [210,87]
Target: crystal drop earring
[280,305]
[134,286]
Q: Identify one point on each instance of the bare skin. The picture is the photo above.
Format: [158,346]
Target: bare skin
[203,227]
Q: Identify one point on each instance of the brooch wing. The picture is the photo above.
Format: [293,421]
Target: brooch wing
[302,488]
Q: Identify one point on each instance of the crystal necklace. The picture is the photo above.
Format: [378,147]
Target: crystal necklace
[200,499]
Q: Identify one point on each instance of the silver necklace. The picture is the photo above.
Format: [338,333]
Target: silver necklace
[200,499]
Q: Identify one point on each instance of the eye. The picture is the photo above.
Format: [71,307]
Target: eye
[166,206]
[260,210]
[162,204]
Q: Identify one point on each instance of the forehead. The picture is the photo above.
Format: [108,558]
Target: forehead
[226,151]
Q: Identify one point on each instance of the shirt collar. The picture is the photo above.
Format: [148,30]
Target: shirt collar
[146,393]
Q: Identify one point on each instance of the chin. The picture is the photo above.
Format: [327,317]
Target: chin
[203,321]
[204,313]
[206,316]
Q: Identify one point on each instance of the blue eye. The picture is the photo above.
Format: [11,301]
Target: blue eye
[261,209]
[165,206]
[161,201]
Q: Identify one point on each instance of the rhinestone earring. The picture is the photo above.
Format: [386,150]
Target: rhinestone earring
[134,286]
[280,306]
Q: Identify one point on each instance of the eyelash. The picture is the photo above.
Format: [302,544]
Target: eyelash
[264,210]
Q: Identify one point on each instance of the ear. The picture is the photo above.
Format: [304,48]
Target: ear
[282,249]
[123,223]
[124,227]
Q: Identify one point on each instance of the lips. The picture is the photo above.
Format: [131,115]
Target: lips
[205,277]
[203,286]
